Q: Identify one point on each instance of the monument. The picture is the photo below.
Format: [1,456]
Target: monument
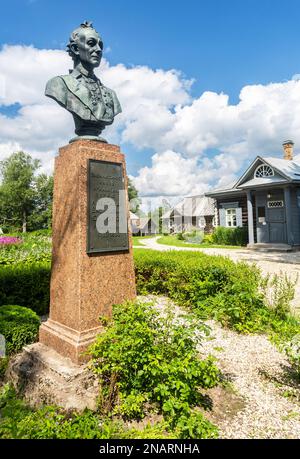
[92,263]
[92,105]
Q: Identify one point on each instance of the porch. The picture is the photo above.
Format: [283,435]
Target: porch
[273,219]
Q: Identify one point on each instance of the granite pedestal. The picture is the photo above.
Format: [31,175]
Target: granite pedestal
[83,286]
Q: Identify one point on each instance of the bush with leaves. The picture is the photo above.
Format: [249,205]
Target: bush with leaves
[216,287]
[212,286]
[19,326]
[26,284]
[193,236]
[292,350]
[19,421]
[230,236]
[25,272]
[180,237]
[145,361]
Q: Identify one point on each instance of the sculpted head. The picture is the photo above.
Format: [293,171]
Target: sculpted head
[85,46]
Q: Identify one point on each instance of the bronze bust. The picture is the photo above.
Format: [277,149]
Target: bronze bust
[92,104]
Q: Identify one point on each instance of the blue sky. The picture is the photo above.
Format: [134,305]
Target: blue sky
[224,46]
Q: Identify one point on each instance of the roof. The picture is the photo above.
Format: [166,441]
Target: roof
[193,206]
[285,171]
[140,223]
[262,181]
[144,222]
[291,169]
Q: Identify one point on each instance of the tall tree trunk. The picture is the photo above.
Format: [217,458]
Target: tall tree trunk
[24,221]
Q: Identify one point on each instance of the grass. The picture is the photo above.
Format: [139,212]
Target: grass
[172,240]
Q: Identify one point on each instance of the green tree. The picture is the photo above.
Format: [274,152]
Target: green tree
[23,195]
[41,216]
[156,215]
[133,197]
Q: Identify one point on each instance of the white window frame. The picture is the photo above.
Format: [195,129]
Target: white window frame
[231,217]
[264,167]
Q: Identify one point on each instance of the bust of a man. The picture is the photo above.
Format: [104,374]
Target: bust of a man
[92,104]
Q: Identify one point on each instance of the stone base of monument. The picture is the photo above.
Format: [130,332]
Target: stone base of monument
[91,271]
[42,376]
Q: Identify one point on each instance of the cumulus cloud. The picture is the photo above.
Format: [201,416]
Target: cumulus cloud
[197,143]
[171,175]
[42,124]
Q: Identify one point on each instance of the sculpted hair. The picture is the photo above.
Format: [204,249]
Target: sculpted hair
[74,37]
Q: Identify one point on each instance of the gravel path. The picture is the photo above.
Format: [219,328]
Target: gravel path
[258,372]
[268,262]
[259,375]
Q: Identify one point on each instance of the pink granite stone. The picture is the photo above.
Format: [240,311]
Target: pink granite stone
[83,287]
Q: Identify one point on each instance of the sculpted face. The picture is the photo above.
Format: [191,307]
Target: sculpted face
[89,47]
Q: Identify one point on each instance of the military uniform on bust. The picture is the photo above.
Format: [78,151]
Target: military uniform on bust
[92,104]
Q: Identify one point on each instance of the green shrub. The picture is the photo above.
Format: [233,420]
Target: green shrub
[216,287]
[26,284]
[180,237]
[210,285]
[41,232]
[208,239]
[292,350]
[25,272]
[3,366]
[18,421]
[19,326]
[279,290]
[194,236]
[146,358]
[230,236]
[195,426]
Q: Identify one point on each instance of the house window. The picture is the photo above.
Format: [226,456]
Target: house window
[264,171]
[231,217]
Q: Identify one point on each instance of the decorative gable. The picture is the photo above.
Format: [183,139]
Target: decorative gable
[260,173]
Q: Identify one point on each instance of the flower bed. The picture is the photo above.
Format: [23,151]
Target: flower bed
[5,240]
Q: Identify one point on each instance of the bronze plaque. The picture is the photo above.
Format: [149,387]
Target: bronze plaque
[107,228]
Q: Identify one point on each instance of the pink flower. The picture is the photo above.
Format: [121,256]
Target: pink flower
[9,240]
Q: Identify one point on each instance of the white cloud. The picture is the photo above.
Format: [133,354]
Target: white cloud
[26,71]
[172,175]
[42,124]
[198,143]
[7,148]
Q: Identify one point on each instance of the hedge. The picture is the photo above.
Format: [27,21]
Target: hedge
[19,326]
[212,286]
[230,236]
[26,284]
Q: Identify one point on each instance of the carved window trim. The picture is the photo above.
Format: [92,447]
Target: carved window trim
[263,170]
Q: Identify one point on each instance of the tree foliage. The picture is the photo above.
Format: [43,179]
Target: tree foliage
[25,198]
[133,197]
